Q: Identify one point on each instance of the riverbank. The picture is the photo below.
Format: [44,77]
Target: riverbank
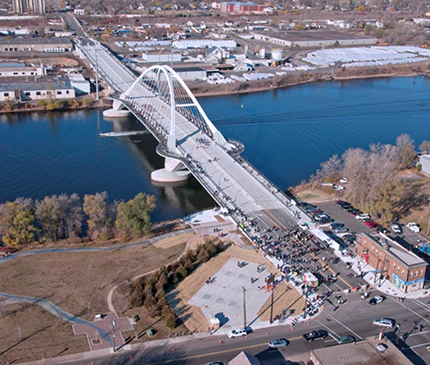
[203,89]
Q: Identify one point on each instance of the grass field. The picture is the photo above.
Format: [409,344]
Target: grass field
[77,282]
[28,332]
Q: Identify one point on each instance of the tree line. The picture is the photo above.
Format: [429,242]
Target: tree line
[25,221]
[375,184]
[150,291]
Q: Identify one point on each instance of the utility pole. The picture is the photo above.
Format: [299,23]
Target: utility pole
[271,306]
[306,302]
[244,307]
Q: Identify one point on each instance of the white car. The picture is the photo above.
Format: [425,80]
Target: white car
[237,332]
[396,228]
[363,216]
[282,342]
[413,227]
[303,225]
[384,322]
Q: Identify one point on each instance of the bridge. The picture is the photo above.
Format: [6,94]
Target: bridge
[190,142]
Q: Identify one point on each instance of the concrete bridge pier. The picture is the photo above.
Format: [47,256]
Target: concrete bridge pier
[117,110]
[174,171]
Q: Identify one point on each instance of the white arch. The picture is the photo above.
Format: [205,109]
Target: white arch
[171,74]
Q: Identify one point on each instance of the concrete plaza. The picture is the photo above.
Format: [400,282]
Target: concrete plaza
[223,297]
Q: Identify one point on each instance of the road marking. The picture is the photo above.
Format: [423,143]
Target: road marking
[216,352]
[349,329]
[418,333]
[329,329]
[409,309]
[421,304]
[419,345]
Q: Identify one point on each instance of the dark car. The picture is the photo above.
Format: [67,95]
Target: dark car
[315,335]
[346,339]
[381,229]
[325,220]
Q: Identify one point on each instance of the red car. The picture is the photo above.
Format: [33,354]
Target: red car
[370,222]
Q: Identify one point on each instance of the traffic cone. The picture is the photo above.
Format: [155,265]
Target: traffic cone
[220,341]
[246,337]
[309,323]
[267,333]
[173,350]
[292,328]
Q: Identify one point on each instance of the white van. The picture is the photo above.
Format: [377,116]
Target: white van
[384,322]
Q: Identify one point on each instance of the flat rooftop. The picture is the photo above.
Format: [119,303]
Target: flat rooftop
[362,352]
[397,250]
[313,35]
[61,40]
[31,83]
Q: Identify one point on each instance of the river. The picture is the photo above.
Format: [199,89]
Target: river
[287,133]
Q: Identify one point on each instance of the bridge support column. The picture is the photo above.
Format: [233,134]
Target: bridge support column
[174,171]
[117,110]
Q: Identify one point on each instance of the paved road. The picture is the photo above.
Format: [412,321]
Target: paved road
[354,318]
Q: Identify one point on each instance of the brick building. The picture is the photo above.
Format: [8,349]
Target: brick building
[395,263]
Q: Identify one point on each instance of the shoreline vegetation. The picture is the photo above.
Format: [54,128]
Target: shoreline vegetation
[203,89]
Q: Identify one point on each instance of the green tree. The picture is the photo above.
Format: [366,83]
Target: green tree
[17,222]
[50,217]
[134,217]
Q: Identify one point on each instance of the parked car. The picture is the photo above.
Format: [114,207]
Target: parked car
[325,220]
[362,216]
[370,222]
[384,322]
[315,335]
[345,339]
[336,224]
[214,363]
[281,342]
[354,211]
[377,299]
[237,332]
[303,225]
[395,227]
[413,227]
[381,229]
[340,229]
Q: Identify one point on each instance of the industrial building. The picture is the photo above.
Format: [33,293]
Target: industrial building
[20,69]
[160,58]
[392,261]
[52,45]
[37,88]
[315,38]
[79,84]
[191,73]
[29,6]
[203,43]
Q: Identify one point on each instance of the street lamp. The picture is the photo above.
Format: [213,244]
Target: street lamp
[113,334]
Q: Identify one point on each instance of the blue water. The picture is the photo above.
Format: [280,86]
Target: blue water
[287,134]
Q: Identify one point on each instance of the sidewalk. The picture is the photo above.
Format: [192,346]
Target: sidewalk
[373,279]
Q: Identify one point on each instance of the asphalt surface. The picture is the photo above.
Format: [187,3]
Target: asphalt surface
[354,317]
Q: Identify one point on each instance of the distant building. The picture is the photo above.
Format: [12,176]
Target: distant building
[370,352]
[203,43]
[79,12]
[244,8]
[391,260]
[315,38]
[157,57]
[79,84]
[20,69]
[191,73]
[425,164]
[29,6]
[39,87]
[35,44]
